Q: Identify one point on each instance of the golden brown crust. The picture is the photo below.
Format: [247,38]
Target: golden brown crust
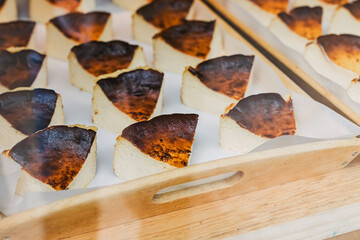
[228,75]
[343,50]
[135,93]
[354,9]
[165,13]
[15,34]
[82,27]
[167,138]
[304,21]
[272,6]
[54,155]
[337,2]
[192,37]
[70,5]
[19,69]
[266,115]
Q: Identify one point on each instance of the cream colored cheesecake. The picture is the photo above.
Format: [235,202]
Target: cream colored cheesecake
[17,35]
[354,90]
[25,68]
[56,158]
[346,20]
[88,61]
[159,15]
[131,5]
[126,97]
[186,44]
[298,27]
[64,32]
[256,119]
[160,144]
[24,111]
[8,10]
[336,57]
[44,10]
[216,83]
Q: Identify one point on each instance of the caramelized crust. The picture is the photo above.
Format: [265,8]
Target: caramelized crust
[272,6]
[165,13]
[167,138]
[227,75]
[19,69]
[135,93]
[82,27]
[192,37]
[266,115]
[100,58]
[70,5]
[15,34]
[343,50]
[304,21]
[54,155]
[337,2]
[354,9]
[28,111]
[2,2]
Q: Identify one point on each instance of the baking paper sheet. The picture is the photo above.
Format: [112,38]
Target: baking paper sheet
[313,120]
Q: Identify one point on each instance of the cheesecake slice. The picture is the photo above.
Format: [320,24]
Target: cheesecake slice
[88,61]
[44,10]
[66,31]
[25,111]
[186,44]
[56,158]
[8,10]
[159,15]
[346,20]
[26,68]
[255,120]
[336,57]
[17,34]
[298,27]
[127,97]
[216,83]
[154,146]
[131,5]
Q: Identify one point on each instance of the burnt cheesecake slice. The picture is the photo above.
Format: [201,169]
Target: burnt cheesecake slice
[44,10]
[131,5]
[159,15]
[346,19]
[26,68]
[8,10]
[216,83]
[298,27]
[88,61]
[25,111]
[66,31]
[160,144]
[56,158]
[186,44]
[255,120]
[17,34]
[127,97]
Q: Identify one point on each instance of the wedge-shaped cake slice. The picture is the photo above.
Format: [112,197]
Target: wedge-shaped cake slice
[26,68]
[44,10]
[159,15]
[336,57]
[127,97]
[56,158]
[66,31]
[25,111]
[216,83]
[131,5]
[18,34]
[255,120]
[88,61]
[346,20]
[298,27]
[160,144]
[186,44]
[8,10]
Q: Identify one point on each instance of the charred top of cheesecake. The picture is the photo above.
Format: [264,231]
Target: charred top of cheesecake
[28,111]
[354,9]
[304,21]
[2,2]
[100,58]
[70,5]
[54,155]
[192,37]
[19,69]
[167,138]
[82,27]
[135,93]
[165,13]
[336,2]
[227,75]
[267,115]
[15,34]
[272,6]
[343,50]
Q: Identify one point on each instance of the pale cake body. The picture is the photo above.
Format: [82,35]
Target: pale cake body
[8,11]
